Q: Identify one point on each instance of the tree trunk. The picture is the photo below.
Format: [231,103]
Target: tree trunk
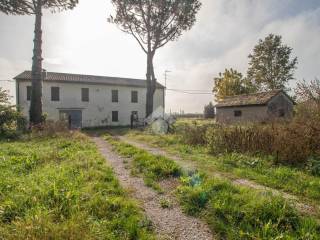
[151,84]
[36,96]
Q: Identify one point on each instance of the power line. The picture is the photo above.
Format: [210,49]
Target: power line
[190,91]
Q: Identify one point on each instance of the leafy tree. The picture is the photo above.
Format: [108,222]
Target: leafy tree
[309,91]
[231,83]
[10,118]
[270,65]
[4,97]
[153,23]
[35,7]
[209,111]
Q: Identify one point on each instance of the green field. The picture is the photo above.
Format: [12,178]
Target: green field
[61,188]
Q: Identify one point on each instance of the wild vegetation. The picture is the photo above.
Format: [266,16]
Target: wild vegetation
[12,122]
[281,155]
[231,212]
[152,168]
[59,187]
[240,213]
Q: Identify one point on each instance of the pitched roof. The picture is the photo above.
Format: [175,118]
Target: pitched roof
[89,79]
[261,98]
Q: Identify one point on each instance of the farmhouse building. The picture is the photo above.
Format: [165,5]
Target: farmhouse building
[258,107]
[88,101]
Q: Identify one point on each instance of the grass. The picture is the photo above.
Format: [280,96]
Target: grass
[153,168]
[260,169]
[231,212]
[61,188]
[239,213]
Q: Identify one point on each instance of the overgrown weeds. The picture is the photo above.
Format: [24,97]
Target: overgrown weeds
[231,211]
[60,188]
[239,213]
[152,167]
[260,168]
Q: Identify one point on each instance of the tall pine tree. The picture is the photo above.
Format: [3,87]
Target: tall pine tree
[153,23]
[35,7]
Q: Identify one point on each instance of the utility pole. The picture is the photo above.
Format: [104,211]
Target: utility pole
[165,77]
[165,85]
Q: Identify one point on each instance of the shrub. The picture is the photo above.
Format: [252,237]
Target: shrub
[50,129]
[289,143]
[243,139]
[314,165]
[209,111]
[193,134]
[12,123]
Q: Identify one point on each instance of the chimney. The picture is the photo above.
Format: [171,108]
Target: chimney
[44,74]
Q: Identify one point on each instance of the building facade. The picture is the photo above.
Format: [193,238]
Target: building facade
[88,101]
[259,107]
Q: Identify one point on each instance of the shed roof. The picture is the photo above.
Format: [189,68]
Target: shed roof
[88,79]
[261,98]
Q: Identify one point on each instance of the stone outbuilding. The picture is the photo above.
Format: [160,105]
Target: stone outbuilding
[258,107]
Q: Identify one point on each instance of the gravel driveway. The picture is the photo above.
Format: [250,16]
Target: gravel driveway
[169,223]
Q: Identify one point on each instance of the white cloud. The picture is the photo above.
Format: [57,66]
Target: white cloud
[81,41]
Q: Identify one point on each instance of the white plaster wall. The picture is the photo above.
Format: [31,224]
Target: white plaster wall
[96,112]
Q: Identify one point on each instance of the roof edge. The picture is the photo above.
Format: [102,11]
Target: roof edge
[17,78]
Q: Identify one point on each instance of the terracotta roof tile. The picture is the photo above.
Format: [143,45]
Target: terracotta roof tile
[261,98]
[89,79]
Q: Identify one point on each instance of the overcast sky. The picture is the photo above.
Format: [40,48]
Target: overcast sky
[82,41]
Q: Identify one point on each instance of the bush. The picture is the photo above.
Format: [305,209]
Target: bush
[193,134]
[50,129]
[12,123]
[209,111]
[243,139]
[289,143]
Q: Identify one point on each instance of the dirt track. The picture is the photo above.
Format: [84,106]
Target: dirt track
[169,223]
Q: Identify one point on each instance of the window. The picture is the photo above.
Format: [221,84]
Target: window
[281,113]
[114,96]
[237,113]
[134,96]
[114,116]
[85,94]
[29,91]
[55,94]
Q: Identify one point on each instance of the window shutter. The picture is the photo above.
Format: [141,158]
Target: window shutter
[115,96]
[134,96]
[55,94]
[85,94]
[29,91]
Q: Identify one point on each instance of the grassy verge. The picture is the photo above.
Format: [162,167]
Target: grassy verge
[60,188]
[259,169]
[152,168]
[240,213]
[232,212]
